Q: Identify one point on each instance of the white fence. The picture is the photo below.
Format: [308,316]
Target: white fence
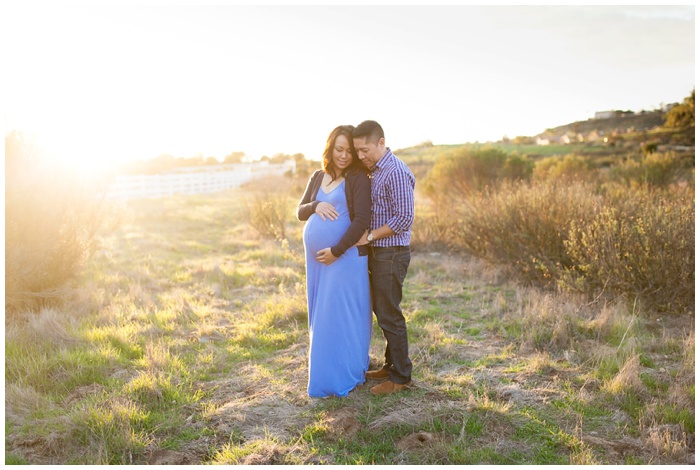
[206,180]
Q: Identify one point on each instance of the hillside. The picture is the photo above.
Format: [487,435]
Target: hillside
[603,139]
[621,123]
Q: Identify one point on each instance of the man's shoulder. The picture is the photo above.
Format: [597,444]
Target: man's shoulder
[398,165]
[392,161]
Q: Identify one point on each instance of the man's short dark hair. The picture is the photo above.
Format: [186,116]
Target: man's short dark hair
[369,130]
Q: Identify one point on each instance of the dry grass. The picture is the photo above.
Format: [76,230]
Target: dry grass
[51,220]
[627,380]
[21,401]
[49,325]
[189,345]
[671,442]
[587,233]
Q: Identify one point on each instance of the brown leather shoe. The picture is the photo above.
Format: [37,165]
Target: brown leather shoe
[378,374]
[387,387]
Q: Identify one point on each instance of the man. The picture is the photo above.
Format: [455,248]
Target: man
[389,236]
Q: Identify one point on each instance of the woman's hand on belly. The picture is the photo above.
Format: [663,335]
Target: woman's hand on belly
[325,256]
[326,210]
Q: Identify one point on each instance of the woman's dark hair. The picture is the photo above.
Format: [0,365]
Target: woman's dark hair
[328,165]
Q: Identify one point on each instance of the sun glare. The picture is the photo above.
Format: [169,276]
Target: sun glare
[76,153]
[187,82]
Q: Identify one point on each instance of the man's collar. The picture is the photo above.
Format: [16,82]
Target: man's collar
[383,159]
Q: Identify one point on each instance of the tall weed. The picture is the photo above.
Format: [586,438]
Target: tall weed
[268,214]
[270,207]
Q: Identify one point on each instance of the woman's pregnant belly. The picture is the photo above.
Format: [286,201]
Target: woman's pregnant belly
[320,234]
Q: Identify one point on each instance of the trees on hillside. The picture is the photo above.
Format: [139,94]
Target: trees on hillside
[234,157]
[682,115]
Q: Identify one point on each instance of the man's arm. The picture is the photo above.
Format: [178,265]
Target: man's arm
[402,203]
[381,232]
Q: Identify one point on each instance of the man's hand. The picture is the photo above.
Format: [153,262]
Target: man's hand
[363,239]
[326,210]
[325,256]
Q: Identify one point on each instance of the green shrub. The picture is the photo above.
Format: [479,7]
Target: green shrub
[569,167]
[651,147]
[467,170]
[654,169]
[640,244]
[682,115]
[517,167]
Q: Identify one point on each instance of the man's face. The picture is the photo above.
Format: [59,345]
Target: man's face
[369,153]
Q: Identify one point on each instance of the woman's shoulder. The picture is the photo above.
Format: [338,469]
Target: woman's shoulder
[356,173]
[357,181]
[316,175]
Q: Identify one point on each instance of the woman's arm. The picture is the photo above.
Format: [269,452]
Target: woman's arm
[308,202]
[362,204]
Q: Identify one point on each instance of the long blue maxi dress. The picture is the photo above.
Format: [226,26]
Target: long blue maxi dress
[340,311]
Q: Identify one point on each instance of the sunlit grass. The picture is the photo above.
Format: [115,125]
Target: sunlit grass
[191,335]
[268,451]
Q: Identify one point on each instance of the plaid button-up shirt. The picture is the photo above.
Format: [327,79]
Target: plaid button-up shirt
[393,185]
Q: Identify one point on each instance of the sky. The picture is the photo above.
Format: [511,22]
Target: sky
[103,84]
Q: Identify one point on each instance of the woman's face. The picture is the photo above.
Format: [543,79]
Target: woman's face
[342,153]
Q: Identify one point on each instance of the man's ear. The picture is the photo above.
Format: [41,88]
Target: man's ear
[381,142]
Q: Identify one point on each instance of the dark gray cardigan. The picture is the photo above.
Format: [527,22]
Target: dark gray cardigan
[359,199]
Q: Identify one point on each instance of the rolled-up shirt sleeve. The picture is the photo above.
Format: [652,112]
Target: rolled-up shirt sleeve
[401,190]
[393,186]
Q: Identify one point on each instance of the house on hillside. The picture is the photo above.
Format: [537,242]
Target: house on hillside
[604,114]
[593,136]
[570,138]
[542,141]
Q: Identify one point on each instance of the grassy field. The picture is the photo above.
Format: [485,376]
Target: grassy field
[187,344]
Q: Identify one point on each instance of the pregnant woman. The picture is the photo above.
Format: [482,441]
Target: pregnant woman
[336,207]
